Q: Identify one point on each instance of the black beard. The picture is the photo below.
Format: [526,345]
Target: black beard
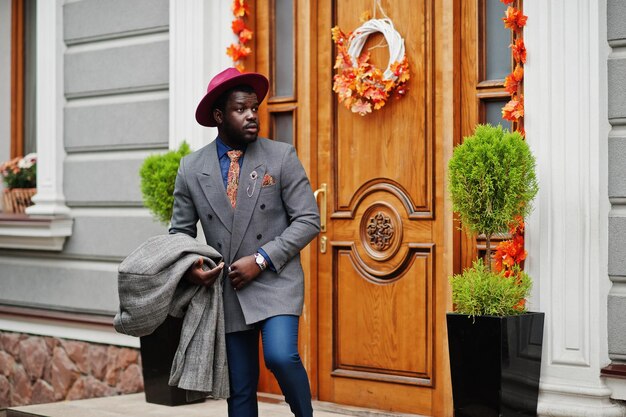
[236,138]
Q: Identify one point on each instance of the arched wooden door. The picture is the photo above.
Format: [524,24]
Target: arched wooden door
[382,301]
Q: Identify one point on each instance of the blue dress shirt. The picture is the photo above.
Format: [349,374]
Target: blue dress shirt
[222,155]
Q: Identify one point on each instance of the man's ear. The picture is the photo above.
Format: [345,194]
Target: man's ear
[218,116]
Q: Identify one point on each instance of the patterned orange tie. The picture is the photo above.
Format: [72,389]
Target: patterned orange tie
[232,181]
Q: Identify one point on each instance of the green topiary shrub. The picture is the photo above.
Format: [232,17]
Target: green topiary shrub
[158,175]
[479,292]
[492,180]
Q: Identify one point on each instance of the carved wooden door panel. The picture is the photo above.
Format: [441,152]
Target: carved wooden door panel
[382,280]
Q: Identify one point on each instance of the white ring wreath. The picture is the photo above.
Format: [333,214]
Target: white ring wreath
[360,85]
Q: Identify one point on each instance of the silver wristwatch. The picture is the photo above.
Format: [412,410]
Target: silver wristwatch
[260,261]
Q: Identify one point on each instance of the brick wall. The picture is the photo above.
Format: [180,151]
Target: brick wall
[36,369]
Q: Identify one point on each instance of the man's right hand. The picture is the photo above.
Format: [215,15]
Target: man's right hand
[196,275]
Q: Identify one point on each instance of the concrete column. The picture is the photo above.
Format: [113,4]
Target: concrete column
[566,113]
[50,200]
[199,34]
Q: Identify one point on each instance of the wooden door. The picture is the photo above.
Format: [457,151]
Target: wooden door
[388,249]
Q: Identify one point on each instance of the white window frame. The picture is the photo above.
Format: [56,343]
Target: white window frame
[52,222]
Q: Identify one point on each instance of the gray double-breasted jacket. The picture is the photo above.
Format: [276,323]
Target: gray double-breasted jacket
[275,211]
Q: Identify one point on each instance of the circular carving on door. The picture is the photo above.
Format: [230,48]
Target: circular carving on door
[381,231]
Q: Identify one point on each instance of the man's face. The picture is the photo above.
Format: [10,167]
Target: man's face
[239,123]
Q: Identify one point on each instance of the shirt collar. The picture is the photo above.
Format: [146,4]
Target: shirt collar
[222,148]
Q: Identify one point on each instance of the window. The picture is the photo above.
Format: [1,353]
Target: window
[485,61]
[23,77]
[276,56]
[495,62]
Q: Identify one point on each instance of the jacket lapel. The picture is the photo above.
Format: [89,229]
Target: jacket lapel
[212,185]
[250,180]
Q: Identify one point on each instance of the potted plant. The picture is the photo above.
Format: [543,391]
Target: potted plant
[158,176]
[20,178]
[494,343]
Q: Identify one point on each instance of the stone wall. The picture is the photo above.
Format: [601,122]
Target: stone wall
[36,369]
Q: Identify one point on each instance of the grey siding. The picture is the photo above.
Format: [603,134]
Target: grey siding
[617,83]
[616,33]
[616,15]
[617,328]
[90,20]
[117,70]
[617,156]
[99,180]
[98,236]
[136,125]
[59,284]
[116,76]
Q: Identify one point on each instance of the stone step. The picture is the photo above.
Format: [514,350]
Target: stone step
[134,405]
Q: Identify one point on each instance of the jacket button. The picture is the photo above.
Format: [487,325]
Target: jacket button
[262,206]
[259,236]
[219,245]
[210,217]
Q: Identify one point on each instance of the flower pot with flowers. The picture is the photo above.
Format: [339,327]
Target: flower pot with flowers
[494,342]
[20,179]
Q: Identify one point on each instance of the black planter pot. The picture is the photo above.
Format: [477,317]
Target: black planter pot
[495,364]
[157,353]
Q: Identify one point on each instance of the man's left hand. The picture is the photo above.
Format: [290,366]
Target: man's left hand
[243,271]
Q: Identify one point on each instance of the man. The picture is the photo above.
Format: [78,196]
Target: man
[257,209]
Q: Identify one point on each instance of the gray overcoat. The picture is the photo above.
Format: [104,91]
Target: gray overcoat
[151,286]
[275,210]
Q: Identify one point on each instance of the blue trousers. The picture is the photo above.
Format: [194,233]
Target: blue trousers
[280,351]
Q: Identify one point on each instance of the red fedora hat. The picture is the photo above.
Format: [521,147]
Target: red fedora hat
[223,81]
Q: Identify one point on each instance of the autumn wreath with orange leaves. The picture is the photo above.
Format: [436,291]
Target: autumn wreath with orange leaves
[359,84]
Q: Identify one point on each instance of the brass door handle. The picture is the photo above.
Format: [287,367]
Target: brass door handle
[323,190]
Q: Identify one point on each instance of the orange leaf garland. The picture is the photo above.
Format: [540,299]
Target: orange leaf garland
[514,109]
[238,25]
[239,51]
[510,84]
[519,50]
[514,19]
[510,254]
[245,35]
[521,305]
[518,226]
[513,80]
[236,51]
[240,8]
